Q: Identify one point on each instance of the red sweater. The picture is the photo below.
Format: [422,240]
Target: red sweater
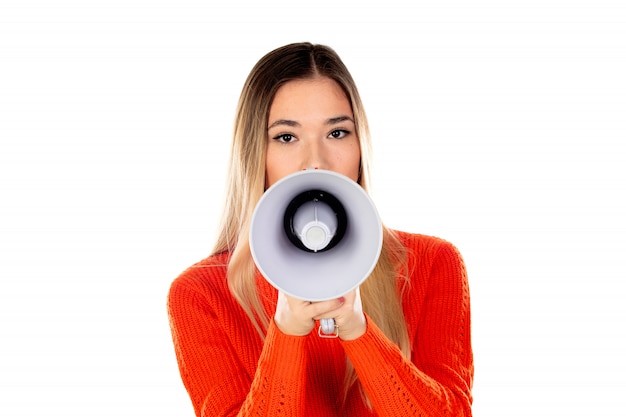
[229,370]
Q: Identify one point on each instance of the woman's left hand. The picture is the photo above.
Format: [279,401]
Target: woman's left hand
[349,317]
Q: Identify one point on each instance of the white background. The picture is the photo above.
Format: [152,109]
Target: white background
[498,125]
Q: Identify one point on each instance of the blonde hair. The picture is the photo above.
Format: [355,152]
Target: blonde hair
[381,292]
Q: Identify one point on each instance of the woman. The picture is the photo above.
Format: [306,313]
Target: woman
[245,349]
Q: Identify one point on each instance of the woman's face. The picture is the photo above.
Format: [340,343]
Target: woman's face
[311,125]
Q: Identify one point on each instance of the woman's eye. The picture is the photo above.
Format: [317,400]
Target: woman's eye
[338,134]
[285,138]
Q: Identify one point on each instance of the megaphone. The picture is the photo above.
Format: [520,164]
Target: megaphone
[315,235]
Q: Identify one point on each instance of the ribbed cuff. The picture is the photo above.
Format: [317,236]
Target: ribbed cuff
[371,351]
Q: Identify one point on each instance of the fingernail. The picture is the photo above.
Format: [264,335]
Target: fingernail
[341,299]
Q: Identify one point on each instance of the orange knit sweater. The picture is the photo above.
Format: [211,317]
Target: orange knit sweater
[228,370]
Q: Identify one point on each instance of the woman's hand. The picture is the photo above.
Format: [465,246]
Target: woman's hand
[297,317]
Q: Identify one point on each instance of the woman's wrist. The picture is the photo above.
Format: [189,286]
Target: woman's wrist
[356,329]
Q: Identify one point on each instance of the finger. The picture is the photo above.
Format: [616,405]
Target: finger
[323,308]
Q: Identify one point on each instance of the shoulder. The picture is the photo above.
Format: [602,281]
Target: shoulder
[430,257]
[435,272]
[425,246]
[204,278]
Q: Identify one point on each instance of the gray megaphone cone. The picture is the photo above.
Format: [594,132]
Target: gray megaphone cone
[315,235]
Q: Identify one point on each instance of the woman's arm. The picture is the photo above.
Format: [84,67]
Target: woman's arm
[217,360]
[438,379]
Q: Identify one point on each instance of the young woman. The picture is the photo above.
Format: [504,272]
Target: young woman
[246,349]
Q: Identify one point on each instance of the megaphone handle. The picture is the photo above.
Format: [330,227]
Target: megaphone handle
[328,328]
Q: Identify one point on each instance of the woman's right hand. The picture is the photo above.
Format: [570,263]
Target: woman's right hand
[296,317]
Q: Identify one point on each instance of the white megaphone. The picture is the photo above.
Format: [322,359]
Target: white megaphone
[316,235]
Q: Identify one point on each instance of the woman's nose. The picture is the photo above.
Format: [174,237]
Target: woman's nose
[315,157]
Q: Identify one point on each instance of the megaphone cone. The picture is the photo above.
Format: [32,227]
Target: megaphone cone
[315,235]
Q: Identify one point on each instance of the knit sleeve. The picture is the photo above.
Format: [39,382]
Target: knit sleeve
[279,385]
[437,381]
[213,367]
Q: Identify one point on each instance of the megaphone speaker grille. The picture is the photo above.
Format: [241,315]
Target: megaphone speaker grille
[339,220]
[317,211]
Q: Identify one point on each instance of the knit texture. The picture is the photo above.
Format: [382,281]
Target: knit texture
[229,370]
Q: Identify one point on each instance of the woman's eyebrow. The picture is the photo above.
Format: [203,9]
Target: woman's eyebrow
[293,123]
[284,122]
[335,120]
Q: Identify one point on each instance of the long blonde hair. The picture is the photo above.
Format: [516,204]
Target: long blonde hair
[380,293]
